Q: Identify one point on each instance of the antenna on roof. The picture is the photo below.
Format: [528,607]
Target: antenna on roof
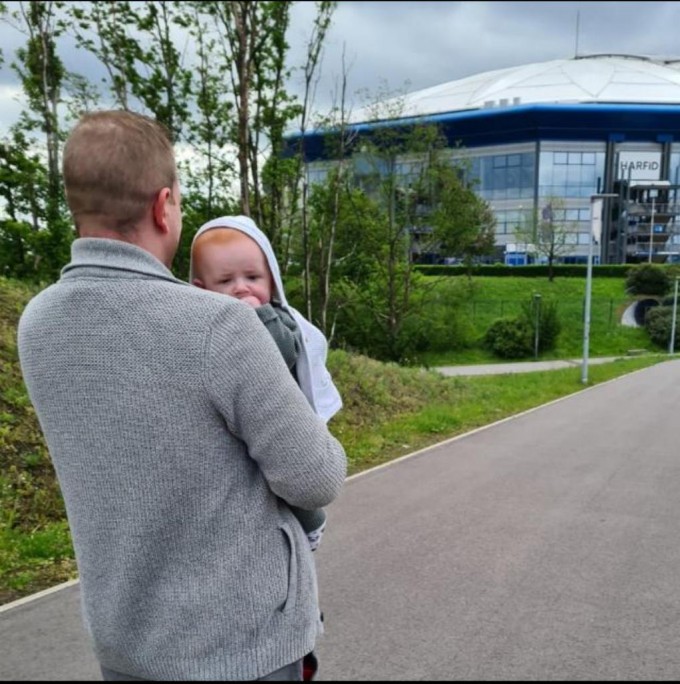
[578,16]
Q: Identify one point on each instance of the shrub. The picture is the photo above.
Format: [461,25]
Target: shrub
[510,338]
[647,279]
[549,325]
[658,323]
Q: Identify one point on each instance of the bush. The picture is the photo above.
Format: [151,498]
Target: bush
[549,325]
[648,279]
[510,338]
[431,322]
[658,323]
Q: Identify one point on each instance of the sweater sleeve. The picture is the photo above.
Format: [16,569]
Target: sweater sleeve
[251,387]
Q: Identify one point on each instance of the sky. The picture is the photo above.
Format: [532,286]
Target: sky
[394,47]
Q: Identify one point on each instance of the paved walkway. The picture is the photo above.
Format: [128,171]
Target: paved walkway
[520,366]
[542,547]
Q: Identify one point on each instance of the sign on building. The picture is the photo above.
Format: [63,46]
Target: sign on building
[638,166]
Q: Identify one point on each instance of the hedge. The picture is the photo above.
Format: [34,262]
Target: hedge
[535,271]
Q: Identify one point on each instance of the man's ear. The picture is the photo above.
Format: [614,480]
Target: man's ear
[159,209]
[198,283]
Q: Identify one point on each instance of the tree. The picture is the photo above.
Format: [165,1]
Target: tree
[548,232]
[104,29]
[385,239]
[166,86]
[42,75]
[463,223]
[314,45]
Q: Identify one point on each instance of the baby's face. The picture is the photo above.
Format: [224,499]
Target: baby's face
[238,269]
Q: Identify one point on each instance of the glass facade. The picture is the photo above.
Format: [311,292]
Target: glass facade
[570,173]
[674,170]
[509,221]
[504,176]
[519,180]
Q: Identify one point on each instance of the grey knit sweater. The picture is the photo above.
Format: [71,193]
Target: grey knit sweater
[174,426]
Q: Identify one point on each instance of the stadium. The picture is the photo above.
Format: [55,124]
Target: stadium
[564,129]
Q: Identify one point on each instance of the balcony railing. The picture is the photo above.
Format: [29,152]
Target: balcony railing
[645,209]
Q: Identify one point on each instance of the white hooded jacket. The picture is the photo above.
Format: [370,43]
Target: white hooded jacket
[313,376]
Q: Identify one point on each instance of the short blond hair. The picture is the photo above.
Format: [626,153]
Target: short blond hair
[115,162]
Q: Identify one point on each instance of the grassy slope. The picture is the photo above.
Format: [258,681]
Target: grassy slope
[35,547]
[388,411]
[487,299]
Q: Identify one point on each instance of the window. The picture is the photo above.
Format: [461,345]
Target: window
[570,174]
[504,176]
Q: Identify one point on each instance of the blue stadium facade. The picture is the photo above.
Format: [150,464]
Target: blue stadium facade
[563,129]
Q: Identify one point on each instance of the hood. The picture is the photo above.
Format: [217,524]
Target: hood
[246,225]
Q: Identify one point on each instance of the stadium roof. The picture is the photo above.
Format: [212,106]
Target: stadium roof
[593,79]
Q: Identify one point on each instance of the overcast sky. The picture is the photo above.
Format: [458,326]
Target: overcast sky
[412,45]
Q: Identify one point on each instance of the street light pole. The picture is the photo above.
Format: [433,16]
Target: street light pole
[651,231]
[537,322]
[595,227]
[671,343]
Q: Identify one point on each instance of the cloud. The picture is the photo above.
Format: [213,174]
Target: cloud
[427,43]
[414,45]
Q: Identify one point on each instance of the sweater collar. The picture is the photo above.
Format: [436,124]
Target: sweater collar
[107,258]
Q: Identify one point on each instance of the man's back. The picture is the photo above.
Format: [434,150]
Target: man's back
[174,426]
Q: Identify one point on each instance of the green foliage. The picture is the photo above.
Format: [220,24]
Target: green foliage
[29,495]
[659,324]
[531,271]
[549,325]
[510,338]
[516,338]
[463,223]
[388,410]
[648,279]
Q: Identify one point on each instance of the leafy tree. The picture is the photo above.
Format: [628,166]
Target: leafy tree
[104,29]
[23,180]
[548,232]
[42,72]
[210,125]
[320,234]
[314,45]
[42,77]
[463,223]
[166,85]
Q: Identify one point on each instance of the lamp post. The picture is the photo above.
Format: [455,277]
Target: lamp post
[671,343]
[651,231]
[537,322]
[596,202]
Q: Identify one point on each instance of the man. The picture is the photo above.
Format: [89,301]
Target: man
[176,431]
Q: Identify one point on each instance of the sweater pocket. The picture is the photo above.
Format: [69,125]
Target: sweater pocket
[290,601]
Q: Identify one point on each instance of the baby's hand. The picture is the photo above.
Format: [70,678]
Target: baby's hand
[252,301]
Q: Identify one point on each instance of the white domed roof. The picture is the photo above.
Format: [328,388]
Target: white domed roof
[592,79]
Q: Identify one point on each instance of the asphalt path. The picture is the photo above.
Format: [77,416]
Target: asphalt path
[521,366]
[543,547]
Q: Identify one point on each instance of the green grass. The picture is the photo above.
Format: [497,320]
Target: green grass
[389,410]
[486,298]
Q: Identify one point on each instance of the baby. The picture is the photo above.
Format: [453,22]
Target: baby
[231,255]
